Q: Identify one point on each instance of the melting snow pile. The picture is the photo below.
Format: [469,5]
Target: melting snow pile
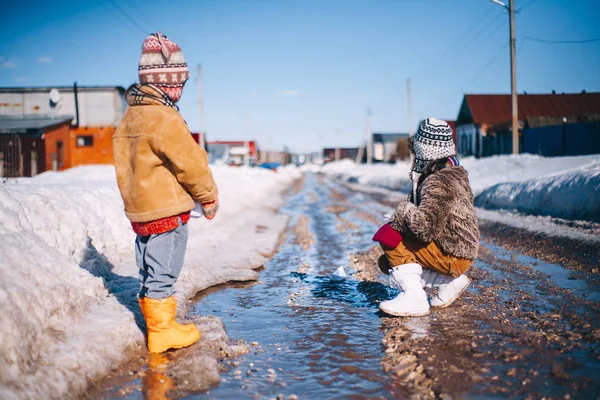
[572,195]
[565,187]
[68,279]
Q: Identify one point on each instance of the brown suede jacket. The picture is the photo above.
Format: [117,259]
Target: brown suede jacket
[444,213]
[160,169]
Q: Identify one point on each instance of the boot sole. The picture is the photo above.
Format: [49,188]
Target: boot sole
[419,313]
[175,347]
[452,300]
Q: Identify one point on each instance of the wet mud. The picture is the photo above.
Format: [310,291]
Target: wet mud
[304,237]
[523,329]
[577,255]
[174,374]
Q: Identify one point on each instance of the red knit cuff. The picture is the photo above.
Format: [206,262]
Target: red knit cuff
[160,225]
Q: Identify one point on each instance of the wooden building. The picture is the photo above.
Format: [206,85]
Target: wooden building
[32,145]
[484,123]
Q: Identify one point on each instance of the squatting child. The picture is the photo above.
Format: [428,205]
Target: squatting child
[432,238]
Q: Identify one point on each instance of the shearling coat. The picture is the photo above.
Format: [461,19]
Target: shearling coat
[161,170]
[443,213]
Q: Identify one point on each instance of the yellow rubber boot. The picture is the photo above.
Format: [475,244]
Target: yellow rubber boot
[185,327]
[164,332]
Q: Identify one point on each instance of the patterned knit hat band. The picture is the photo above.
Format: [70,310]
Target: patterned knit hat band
[163,65]
[433,141]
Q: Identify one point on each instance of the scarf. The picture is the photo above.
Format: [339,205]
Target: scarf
[148,94]
[431,166]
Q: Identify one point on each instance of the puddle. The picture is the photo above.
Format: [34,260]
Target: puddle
[312,337]
[512,334]
[559,275]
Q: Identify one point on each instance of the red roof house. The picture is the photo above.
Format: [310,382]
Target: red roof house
[487,117]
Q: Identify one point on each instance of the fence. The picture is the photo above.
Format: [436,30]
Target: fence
[11,161]
[563,140]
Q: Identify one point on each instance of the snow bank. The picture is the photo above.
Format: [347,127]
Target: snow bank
[572,195]
[565,187]
[489,171]
[68,279]
[386,176]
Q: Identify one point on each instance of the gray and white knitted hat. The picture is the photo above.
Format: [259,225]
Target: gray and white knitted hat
[432,141]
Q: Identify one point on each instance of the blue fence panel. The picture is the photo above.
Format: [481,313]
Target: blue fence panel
[583,138]
[546,141]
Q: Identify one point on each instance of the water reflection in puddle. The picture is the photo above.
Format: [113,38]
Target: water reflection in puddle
[559,275]
[314,337]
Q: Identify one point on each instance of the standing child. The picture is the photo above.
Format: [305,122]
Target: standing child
[161,173]
[435,229]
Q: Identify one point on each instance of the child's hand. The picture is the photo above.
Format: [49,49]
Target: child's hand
[210,209]
[384,264]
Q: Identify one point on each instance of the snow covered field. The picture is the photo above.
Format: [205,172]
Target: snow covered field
[68,279]
[564,187]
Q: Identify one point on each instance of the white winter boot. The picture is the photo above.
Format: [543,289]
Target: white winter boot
[412,301]
[450,288]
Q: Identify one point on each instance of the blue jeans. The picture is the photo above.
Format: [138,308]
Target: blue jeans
[160,259]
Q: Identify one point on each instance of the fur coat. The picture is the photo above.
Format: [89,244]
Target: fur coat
[443,212]
[161,171]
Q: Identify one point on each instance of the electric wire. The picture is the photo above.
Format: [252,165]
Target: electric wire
[485,68]
[545,41]
[479,20]
[129,18]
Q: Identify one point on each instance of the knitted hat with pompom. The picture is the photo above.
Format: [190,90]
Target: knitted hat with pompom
[162,65]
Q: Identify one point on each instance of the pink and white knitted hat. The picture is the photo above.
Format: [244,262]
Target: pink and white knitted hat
[162,64]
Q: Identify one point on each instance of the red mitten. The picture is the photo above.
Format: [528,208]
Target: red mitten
[388,236]
[210,209]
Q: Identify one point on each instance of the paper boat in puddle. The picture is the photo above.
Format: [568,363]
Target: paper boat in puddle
[339,274]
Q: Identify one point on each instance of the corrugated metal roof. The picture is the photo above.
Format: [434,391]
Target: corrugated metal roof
[534,122]
[497,108]
[96,107]
[23,125]
[388,137]
[44,89]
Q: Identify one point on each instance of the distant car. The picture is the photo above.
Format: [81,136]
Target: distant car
[272,166]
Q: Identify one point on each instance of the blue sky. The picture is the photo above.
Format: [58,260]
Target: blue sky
[303,73]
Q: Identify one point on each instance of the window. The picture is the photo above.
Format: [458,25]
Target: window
[85,141]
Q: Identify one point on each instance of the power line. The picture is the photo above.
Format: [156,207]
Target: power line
[470,28]
[145,15]
[485,68]
[525,38]
[490,34]
[129,18]
[117,16]
[471,41]
[526,5]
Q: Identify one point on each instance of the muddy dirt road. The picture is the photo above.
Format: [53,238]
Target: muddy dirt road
[526,328]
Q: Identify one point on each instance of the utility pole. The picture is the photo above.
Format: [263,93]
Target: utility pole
[200,109]
[337,145]
[513,74]
[369,138]
[247,141]
[408,93]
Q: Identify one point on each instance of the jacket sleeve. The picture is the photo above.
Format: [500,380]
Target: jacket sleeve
[427,221]
[189,161]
